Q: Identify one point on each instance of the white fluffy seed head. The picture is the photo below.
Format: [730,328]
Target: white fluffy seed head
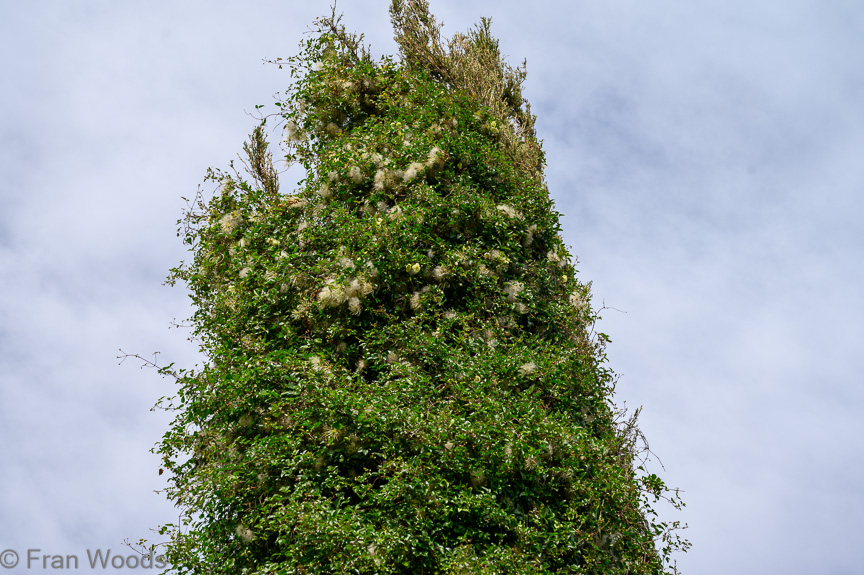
[295,134]
[298,204]
[354,305]
[513,289]
[433,160]
[412,172]
[509,211]
[528,238]
[325,192]
[244,533]
[439,273]
[230,222]
[355,174]
[353,288]
[382,179]
[337,296]
[528,368]
[415,301]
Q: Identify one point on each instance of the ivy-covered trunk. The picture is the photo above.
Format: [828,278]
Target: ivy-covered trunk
[401,375]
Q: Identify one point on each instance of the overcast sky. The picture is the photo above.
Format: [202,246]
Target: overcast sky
[707,160]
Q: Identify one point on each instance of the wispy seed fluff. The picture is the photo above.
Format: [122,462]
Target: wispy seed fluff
[325,192]
[244,533]
[509,211]
[528,368]
[439,273]
[498,259]
[354,305]
[528,239]
[230,222]
[331,296]
[513,289]
[576,300]
[245,272]
[355,174]
[358,287]
[434,157]
[412,172]
[415,301]
[392,357]
[295,134]
[224,187]
[555,258]
[383,179]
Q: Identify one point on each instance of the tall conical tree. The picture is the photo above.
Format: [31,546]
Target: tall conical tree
[401,376]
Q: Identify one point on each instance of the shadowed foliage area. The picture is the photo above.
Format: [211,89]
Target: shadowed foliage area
[402,373]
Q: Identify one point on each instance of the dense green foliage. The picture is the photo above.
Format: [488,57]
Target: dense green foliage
[401,374]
